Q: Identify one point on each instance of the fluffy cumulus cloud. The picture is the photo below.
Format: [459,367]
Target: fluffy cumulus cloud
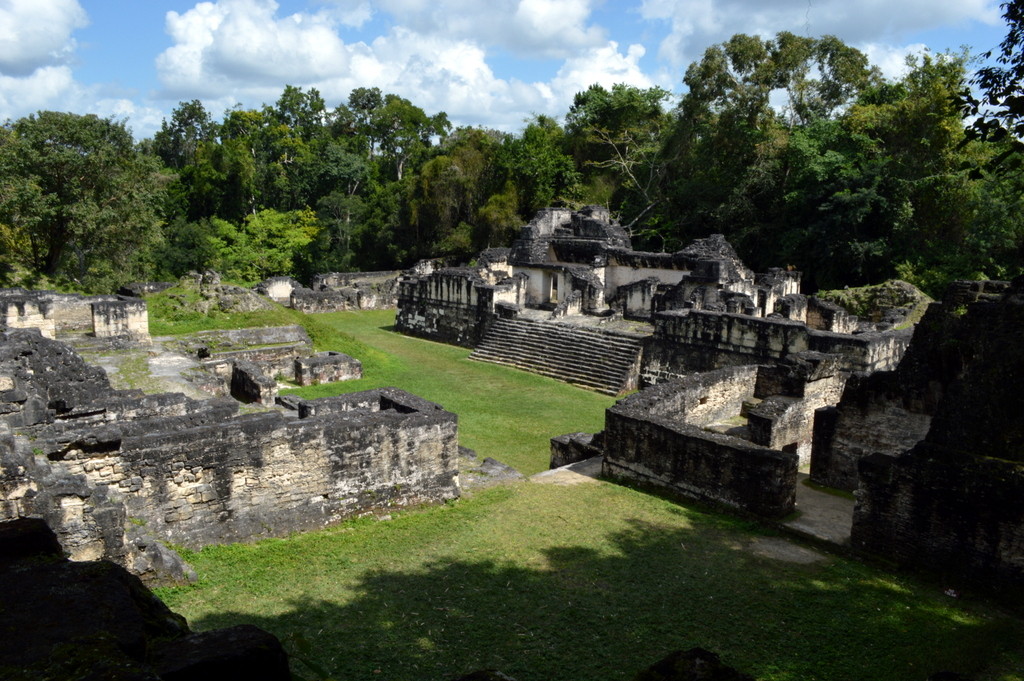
[548,28]
[436,54]
[240,45]
[35,45]
[36,34]
[696,24]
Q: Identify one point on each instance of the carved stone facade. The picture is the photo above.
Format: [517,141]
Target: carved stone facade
[707,309]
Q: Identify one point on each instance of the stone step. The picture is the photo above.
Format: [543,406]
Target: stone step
[606,343]
[603,375]
[586,357]
[589,355]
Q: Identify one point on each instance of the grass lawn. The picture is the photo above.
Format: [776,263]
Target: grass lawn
[592,581]
[503,413]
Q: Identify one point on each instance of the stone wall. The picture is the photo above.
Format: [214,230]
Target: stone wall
[193,472]
[327,367]
[339,291]
[453,305]
[62,313]
[699,340]
[26,312]
[121,318]
[250,384]
[871,417]
[278,289]
[825,315]
[647,438]
[951,504]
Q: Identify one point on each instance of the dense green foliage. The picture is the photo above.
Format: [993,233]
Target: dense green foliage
[795,148]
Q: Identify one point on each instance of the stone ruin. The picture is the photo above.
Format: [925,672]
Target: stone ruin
[334,291]
[951,501]
[56,314]
[248,363]
[694,310]
[117,473]
[933,449]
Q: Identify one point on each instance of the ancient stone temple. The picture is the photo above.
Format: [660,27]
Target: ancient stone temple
[572,300]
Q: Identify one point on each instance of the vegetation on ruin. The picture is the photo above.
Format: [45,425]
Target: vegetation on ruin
[795,148]
[872,302]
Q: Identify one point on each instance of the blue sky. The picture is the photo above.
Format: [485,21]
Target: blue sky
[493,62]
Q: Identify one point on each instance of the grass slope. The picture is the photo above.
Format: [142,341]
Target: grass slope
[504,413]
[587,582]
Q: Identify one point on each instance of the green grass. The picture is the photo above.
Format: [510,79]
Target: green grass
[585,582]
[504,413]
[547,582]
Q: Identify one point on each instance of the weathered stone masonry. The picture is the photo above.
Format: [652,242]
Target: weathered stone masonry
[96,462]
[952,504]
[657,437]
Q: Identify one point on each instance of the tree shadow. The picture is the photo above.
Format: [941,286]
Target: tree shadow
[584,613]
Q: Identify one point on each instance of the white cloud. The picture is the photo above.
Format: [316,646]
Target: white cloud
[46,88]
[37,33]
[238,45]
[697,24]
[545,28]
[604,66]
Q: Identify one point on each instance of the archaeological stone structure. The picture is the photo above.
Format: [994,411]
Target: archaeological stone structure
[734,436]
[942,490]
[571,285]
[61,314]
[933,449]
[335,291]
[115,473]
[248,363]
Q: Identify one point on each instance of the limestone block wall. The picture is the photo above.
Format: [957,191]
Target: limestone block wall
[315,302]
[453,305]
[695,463]
[825,315]
[57,313]
[263,474]
[785,419]
[872,417]
[278,289]
[22,312]
[327,367]
[250,384]
[74,313]
[636,300]
[700,340]
[123,317]
[960,517]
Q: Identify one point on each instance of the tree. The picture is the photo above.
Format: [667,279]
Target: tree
[536,164]
[999,111]
[176,141]
[80,199]
[615,137]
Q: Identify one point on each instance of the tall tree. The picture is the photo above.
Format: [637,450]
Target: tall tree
[81,199]
[178,139]
[998,109]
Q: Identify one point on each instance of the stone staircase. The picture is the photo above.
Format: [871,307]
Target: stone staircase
[599,360]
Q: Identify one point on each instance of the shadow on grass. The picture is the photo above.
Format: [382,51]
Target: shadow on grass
[576,613]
